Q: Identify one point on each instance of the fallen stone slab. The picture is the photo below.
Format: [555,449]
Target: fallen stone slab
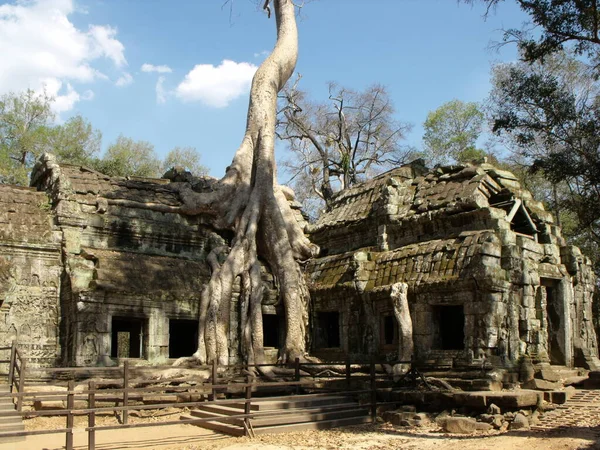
[541,385]
[503,399]
[463,425]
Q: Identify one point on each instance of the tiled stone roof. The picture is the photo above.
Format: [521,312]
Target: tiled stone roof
[435,261]
[403,193]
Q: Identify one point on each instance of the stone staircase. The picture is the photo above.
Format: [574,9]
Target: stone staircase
[581,410]
[283,414]
[10,423]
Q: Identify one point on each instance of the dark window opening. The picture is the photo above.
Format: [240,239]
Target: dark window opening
[271,330]
[328,330]
[183,337]
[520,220]
[390,330]
[522,223]
[127,338]
[449,327]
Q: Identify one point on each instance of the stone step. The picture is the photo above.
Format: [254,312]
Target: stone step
[222,427]
[301,401]
[10,419]
[307,416]
[6,427]
[319,425]
[281,414]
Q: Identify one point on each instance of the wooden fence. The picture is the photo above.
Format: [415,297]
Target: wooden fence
[364,374]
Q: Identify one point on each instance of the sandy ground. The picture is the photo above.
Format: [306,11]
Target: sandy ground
[365,437]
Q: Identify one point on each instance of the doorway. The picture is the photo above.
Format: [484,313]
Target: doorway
[127,338]
[183,337]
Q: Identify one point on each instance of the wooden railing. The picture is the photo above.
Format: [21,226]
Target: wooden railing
[16,371]
[364,373]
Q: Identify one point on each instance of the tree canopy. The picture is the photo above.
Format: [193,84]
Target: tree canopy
[556,25]
[341,141]
[451,133]
[28,128]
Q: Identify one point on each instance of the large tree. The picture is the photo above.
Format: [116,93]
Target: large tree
[248,201]
[27,129]
[451,132]
[555,25]
[186,157]
[75,142]
[24,119]
[550,115]
[341,141]
[129,157]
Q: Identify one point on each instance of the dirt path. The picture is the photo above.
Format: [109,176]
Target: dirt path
[366,437]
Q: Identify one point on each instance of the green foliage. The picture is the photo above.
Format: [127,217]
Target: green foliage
[74,142]
[451,132]
[128,157]
[186,157]
[549,114]
[24,131]
[559,25]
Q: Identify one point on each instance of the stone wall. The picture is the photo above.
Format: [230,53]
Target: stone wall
[30,274]
[489,275]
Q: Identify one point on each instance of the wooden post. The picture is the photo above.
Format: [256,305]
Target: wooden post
[213,395]
[21,384]
[297,374]
[348,375]
[91,415]
[373,391]
[247,407]
[11,365]
[125,391]
[70,406]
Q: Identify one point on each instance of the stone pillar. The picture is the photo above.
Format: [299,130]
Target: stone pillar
[565,300]
[158,337]
[399,295]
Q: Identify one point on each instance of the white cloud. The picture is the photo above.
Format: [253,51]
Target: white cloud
[104,44]
[40,47]
[62,102]
[161,94]
[216,86]
[159,69]
[124,80]
[262,54]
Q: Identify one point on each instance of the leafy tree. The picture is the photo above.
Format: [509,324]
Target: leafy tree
[24,130]
[339,142]
[128,157]
[451,132]
[558,25]
[74,142]
[550,114]
[249,202]
[186,157]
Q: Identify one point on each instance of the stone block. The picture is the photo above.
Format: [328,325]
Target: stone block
[520,422]
[463,425]
[541,385]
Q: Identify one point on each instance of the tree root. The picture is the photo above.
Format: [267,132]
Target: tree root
[248,201]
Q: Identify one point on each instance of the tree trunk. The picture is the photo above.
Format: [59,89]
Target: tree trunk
[248,201]
[399,295]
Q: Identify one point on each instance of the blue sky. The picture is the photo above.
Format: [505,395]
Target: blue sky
[155,70]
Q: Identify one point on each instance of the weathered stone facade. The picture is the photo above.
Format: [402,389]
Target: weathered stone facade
[489,275]
[94,269]
[30,274]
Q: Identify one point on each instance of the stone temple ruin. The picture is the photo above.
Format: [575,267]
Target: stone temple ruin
[457,265]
